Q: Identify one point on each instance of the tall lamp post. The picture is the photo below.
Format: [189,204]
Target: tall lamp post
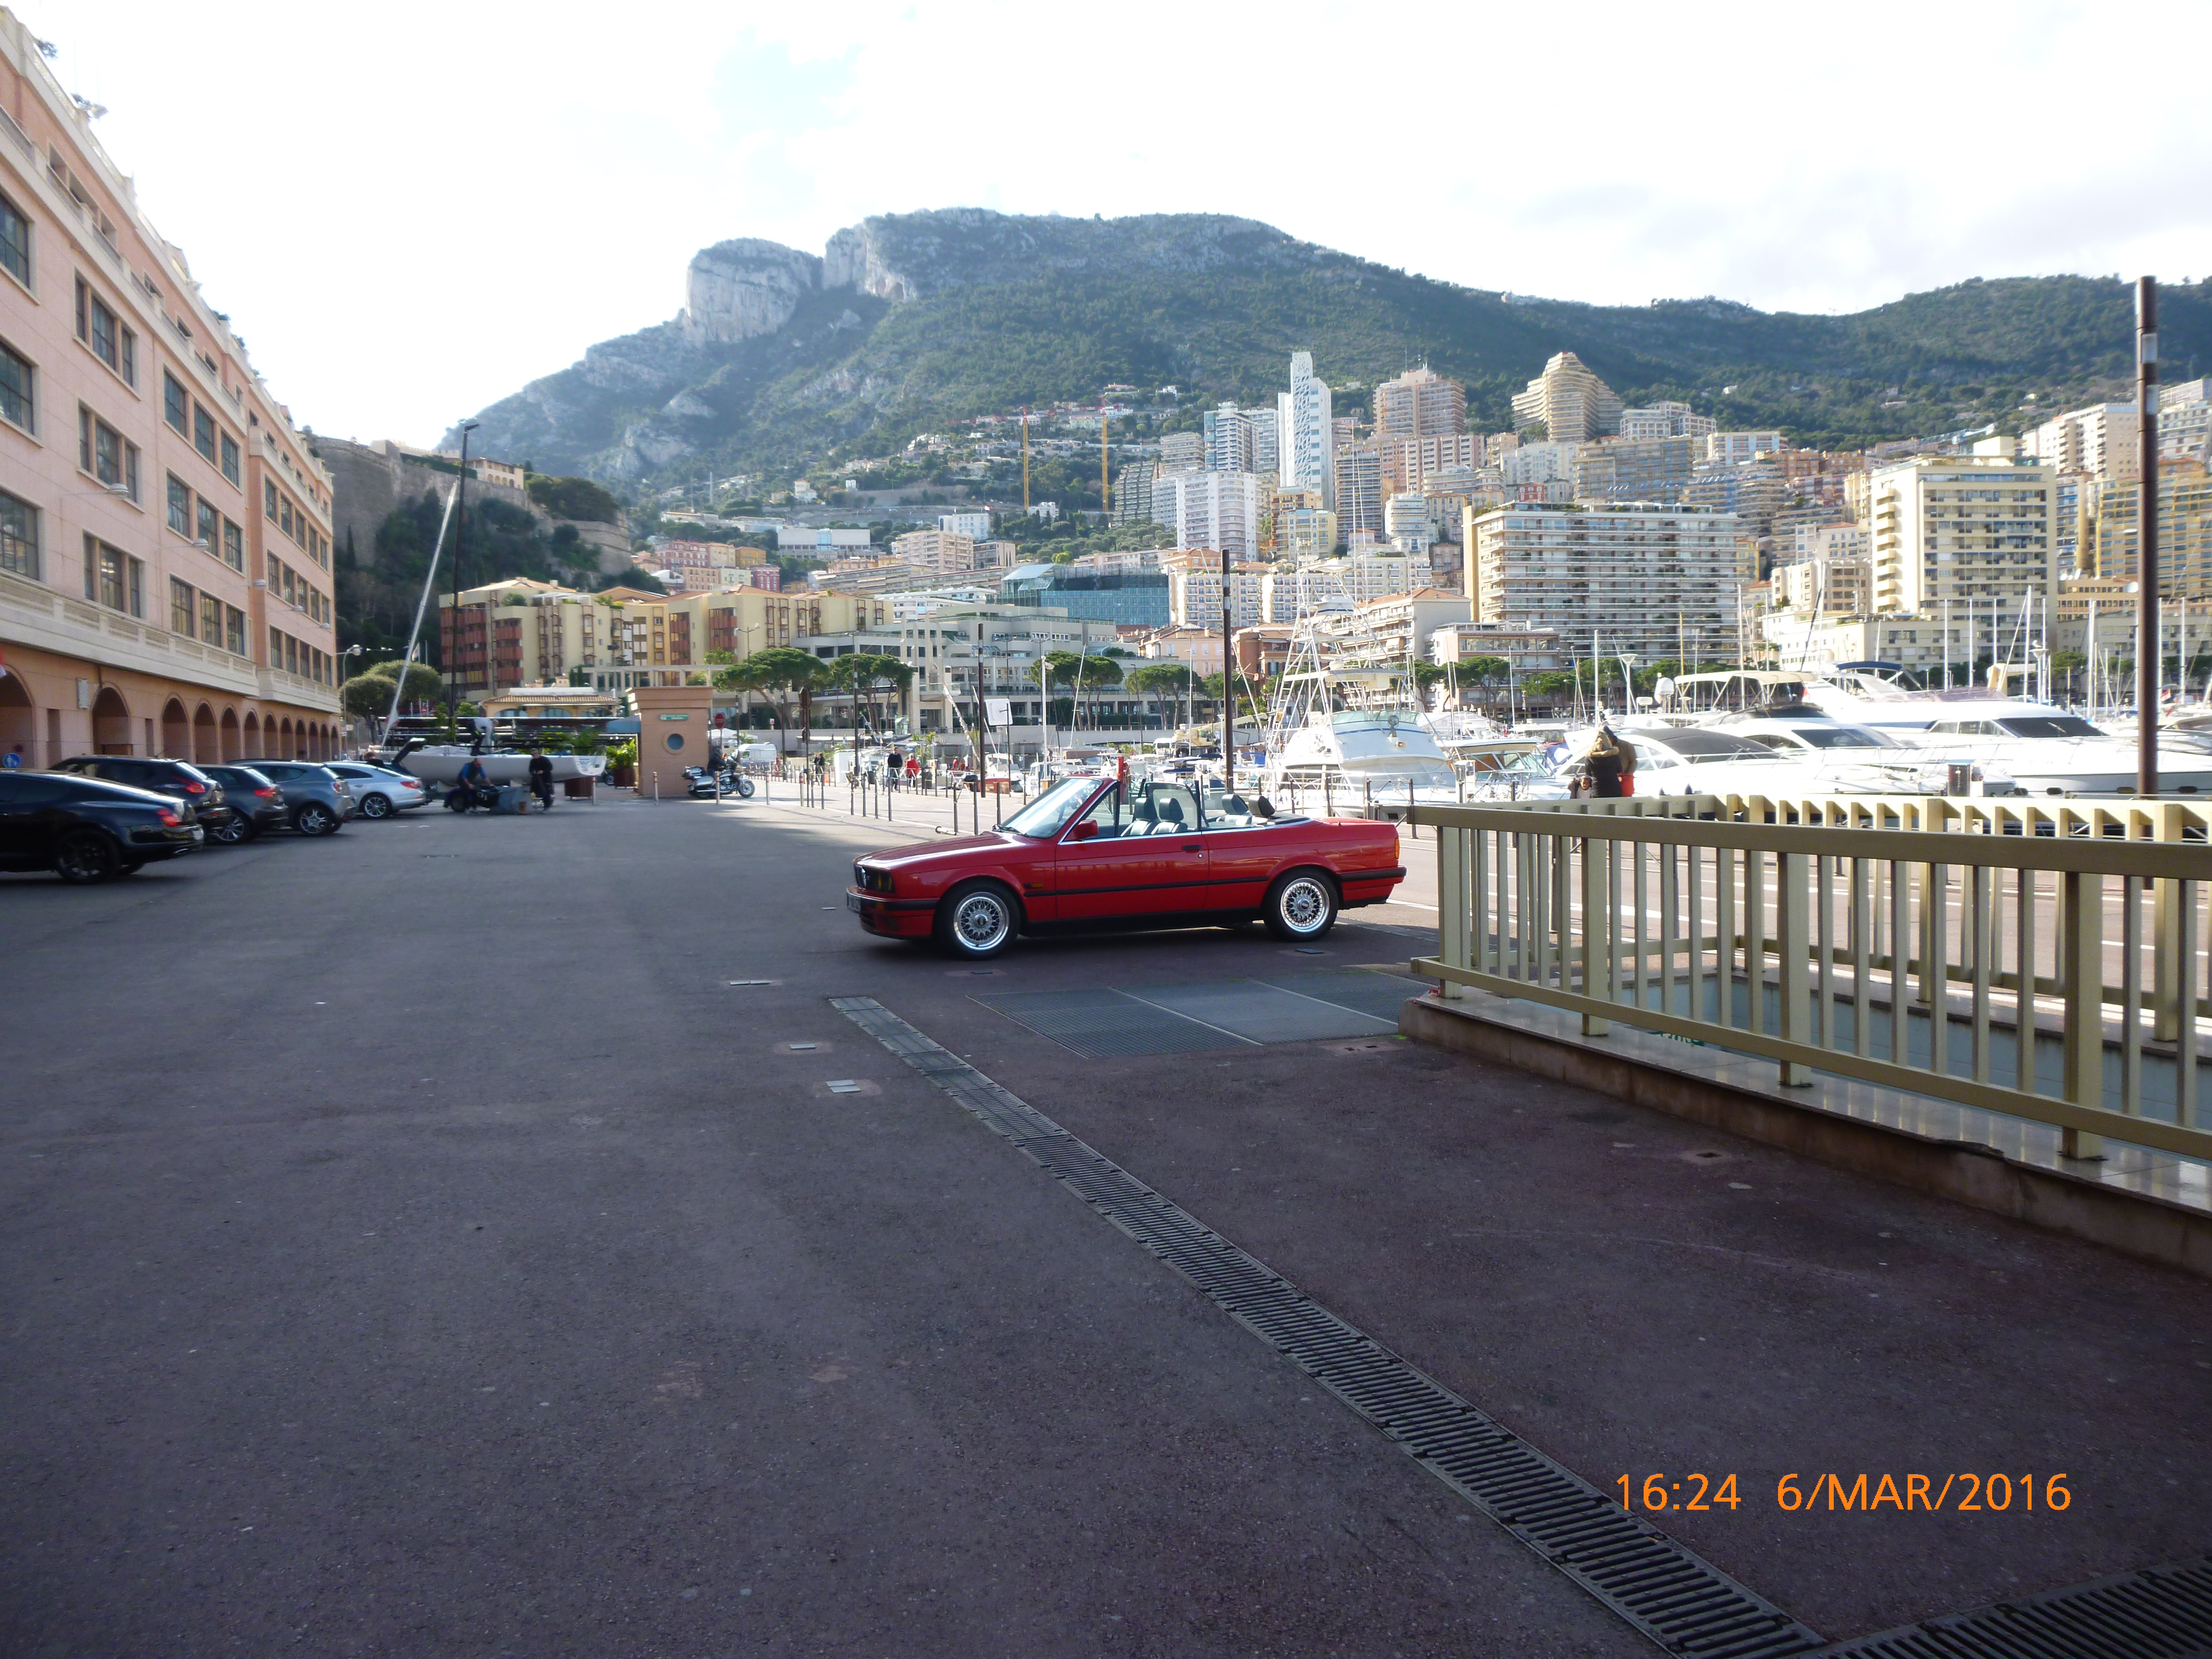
[460,519]
[2146,629]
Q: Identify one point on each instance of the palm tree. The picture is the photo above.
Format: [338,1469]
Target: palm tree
[1167,679]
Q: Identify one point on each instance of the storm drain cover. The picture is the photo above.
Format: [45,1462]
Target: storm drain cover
[2162,1612]
[843,1085]
[1189,1018]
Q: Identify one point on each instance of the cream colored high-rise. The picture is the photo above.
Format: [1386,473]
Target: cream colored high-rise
[1965,530]
[1572,403]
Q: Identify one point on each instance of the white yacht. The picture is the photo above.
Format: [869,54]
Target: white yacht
[2045,749]
[1351,756]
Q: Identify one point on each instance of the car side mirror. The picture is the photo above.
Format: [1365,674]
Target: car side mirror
[1083,830]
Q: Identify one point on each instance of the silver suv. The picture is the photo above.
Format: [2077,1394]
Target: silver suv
[319,800]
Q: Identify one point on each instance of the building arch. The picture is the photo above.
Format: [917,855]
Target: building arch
[204,736]
[231,752]
[283,746]
[176,738]
[18,721]
[111,723]
[253,733]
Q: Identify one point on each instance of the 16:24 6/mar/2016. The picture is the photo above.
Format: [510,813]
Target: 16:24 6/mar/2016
[1962,1494]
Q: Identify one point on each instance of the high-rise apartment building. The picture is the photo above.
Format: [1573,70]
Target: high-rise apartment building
[1133,493]
[935,552]
[1419,404]
[1241,440]
[2103,438]
[2185,420]
[1664,420]
[1635,576]
[165,531]
[1360,490]
[1962,529]
[1305,432]
[1734,447]
[1569,401]
[1182,451]
[1632,468]
[976,527]
[537,634]
[1216,510]
[2185,530]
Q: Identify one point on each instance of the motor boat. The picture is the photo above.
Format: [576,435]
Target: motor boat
[2047,750]
[1862,759]
[1358,755]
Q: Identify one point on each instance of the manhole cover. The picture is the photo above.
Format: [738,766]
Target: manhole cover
[801,1047]
[843,1085]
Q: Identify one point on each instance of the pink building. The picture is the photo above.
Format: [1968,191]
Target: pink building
[165,532]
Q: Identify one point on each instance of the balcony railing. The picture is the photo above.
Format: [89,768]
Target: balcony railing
[2043,959]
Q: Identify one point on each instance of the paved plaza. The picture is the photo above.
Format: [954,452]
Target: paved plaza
[444,1239]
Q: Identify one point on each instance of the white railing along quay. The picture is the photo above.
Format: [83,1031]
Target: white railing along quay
[1907,941]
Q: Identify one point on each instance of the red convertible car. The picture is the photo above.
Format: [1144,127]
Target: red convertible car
[1095,852]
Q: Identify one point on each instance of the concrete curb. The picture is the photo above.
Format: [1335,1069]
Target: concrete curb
[2138,1224]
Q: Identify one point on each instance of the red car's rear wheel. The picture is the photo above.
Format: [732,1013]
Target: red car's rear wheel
[1301,905]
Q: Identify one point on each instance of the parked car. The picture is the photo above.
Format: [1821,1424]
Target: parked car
[380,791]
[179,780]
[1094,852]
[87,829]
[316,799]
[257,804]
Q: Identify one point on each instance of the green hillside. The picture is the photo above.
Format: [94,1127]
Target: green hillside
[1025,311]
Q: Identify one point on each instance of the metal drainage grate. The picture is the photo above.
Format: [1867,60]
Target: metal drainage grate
[2162,1613]
[1681,1603]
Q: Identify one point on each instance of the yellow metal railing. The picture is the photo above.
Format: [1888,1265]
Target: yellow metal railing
[1910,941]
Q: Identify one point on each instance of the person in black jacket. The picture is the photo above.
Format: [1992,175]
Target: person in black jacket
[541,778]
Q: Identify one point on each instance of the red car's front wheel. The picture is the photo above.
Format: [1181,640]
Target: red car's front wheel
[977,920]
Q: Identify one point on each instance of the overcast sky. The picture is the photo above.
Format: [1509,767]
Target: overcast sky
[410,210]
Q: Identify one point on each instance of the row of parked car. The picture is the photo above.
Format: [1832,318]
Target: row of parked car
[95,817]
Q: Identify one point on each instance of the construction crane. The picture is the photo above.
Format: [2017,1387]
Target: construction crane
[1025,457]
[1104,504]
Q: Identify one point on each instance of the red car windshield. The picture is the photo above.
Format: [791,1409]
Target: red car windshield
[1045,816]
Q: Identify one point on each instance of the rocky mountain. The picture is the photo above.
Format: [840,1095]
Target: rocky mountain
[779,357]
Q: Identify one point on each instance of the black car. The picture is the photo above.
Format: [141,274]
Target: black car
[316,799]
[257,804]
[86,829]
[179,780]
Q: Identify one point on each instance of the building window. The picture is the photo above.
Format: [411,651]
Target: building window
[114,579]
[173,400]
[17,381]
[99,327]
[101,451]
[234,629]
[183,608]
[203,430]
[180,506]
[19,536]
[211,527]
[268,499]
[15,242]
[275,648]
[230,468]
[291,655]
[210,619]
[233,545]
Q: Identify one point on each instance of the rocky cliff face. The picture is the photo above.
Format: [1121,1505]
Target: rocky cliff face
[735,290]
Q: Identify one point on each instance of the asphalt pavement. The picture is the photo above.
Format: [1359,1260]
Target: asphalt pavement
[419,1245]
